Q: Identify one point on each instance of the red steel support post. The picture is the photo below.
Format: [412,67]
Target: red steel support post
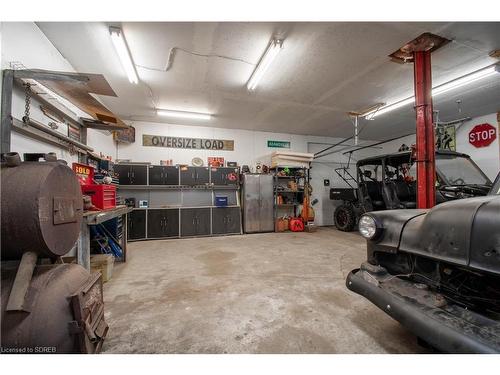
[426,172]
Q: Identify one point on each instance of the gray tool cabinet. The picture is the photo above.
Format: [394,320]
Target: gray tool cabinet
[181,201]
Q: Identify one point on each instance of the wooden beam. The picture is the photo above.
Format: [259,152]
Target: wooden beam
[49,75]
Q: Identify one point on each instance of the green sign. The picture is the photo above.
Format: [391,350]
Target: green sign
[278,144]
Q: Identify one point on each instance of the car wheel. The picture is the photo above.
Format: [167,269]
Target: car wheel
[344,218]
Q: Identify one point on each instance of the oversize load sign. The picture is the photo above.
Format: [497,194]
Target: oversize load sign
[482,135]
[191,143]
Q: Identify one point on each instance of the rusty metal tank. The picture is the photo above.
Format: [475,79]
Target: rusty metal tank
[54,308]
[42,208]
[63,311]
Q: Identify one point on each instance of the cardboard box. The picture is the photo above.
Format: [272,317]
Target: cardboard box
[282,224]
[102,263]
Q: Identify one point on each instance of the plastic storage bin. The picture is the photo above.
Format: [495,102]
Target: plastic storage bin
[221,201]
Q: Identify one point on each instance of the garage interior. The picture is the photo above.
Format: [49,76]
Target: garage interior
[186,199]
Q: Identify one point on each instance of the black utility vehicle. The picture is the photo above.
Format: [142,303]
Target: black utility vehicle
[387,182]
[437,271]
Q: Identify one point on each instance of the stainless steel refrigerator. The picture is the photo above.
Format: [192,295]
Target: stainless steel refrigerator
[258,205]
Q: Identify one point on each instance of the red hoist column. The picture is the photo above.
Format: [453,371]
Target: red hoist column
[426,172]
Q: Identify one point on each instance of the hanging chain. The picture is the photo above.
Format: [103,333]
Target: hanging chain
[27,103]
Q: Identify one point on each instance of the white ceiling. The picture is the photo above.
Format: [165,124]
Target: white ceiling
[324,71]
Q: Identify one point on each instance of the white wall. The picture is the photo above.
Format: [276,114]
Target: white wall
[249,148]
[102,142]
[23,42]
[487,158]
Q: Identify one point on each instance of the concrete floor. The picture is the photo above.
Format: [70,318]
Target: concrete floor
[261,293]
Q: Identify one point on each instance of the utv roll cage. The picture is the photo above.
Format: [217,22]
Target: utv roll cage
[384,182]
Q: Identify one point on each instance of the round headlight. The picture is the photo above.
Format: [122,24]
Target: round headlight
[367,227]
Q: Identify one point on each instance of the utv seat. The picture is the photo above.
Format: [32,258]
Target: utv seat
[406,198]
[397,195]
[374,191]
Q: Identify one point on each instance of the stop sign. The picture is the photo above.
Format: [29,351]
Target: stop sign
[482,135]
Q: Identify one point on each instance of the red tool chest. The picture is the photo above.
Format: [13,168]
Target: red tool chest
[103,196]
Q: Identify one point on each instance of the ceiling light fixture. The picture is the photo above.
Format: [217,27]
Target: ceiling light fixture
[184,114]
[441,89]
[274,47]
[389,108]
[465,80]
[124,53]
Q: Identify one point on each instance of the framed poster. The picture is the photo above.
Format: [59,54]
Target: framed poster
[445,137]
[74,133]
[124,136]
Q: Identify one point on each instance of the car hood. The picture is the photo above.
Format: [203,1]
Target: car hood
[464,232]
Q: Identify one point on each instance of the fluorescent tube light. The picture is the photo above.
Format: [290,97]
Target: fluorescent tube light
[124,53]
[275,46]
[441,89]
[465,80]
[388,108]
[184,114]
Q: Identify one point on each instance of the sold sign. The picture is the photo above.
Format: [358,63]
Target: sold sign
[482,135]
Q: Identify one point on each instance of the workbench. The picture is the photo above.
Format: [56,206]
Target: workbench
[96,218]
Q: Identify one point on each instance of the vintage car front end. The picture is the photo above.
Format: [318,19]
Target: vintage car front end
[437,272]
